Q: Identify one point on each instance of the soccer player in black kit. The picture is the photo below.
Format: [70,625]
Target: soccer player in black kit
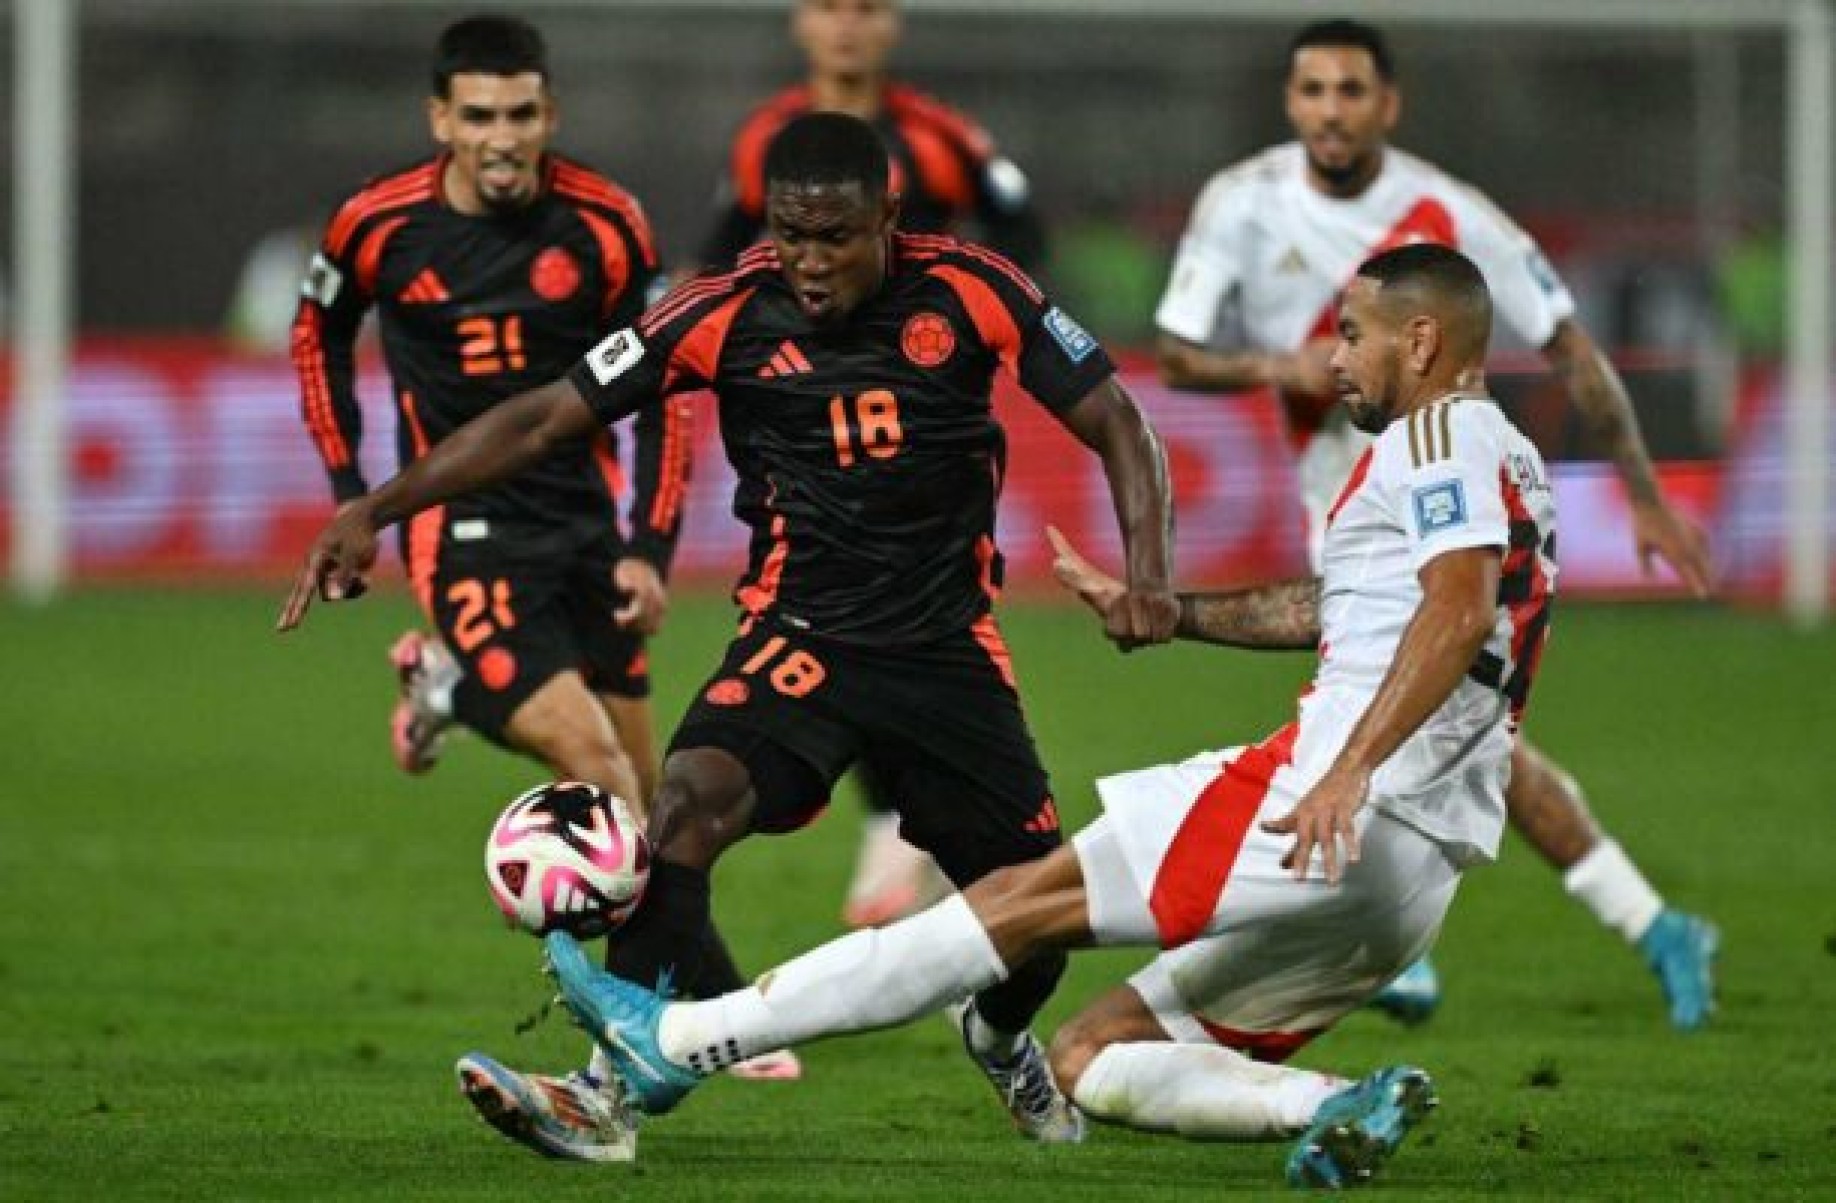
[949,176]
[853,368]
[492,267]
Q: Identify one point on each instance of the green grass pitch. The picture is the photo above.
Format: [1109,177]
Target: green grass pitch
[239,952]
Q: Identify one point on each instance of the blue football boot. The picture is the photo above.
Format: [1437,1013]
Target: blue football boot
[1356,1130]
[1412,995]
[622,1018]
[1681,950]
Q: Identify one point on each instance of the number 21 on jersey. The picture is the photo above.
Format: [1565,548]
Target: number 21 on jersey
[867,425]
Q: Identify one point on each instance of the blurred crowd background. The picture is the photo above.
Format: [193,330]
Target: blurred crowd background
[214,139]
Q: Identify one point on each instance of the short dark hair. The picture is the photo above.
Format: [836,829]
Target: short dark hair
[487,45]
[1346,33]
[1439,274]
[828,148]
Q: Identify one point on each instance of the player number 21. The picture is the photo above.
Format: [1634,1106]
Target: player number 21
[868,426]
[488,346]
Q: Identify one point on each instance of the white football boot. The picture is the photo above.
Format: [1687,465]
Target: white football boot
[575,1118]
[1025,1085]
[428,673]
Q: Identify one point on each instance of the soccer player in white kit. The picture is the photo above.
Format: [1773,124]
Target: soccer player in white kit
[1270,242]
[1430,620]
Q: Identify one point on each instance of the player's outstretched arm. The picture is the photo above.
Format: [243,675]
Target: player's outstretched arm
[1108,421]
[1282,615]
[1192,368]
[1457,612]
[496,445]
[1601,397]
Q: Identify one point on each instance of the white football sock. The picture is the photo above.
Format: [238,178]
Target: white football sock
[1607,883]
[873,978]
[1201,1091]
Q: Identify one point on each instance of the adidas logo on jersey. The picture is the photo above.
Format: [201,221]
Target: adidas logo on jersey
[789,361]
[425,289]
[1291,263]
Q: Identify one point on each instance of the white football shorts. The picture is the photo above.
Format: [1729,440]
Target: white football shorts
[1256,961]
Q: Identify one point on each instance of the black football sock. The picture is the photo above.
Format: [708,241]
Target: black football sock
[668,932]
[1009,1007]
[719,974]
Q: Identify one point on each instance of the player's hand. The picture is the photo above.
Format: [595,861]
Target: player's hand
[1322,822]
[1141,618]
[336,566]
[646,600]
[1096,588]
[1658,530]
[1307,372]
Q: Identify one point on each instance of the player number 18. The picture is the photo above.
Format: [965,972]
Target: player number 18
[869,426]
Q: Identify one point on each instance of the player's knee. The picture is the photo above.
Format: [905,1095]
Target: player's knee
[702,806]
[1074,1047]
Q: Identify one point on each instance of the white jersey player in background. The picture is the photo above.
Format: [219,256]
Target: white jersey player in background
[1270,243]
[1430,620]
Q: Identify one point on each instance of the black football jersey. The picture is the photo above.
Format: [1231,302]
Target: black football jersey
[868,455]
[472,310]
[944,167]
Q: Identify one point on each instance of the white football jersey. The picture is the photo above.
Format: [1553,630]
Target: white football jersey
[1452,475]
[1265,255]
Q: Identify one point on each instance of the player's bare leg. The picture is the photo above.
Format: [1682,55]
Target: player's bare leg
[1121,1065]
[1547,806]
[563,725]
[633,720]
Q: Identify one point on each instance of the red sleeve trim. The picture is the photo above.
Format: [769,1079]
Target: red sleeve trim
[392,192]
[993,322]
[747,162]
[308,347]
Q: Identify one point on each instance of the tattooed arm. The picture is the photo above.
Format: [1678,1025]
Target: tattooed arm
[1285,615]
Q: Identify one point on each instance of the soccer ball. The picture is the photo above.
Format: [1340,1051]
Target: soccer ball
[567,856]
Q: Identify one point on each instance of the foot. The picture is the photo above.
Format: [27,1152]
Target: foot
[1412,995]
[781,1066]
[1681,950]
[574,1118]
[622,1018]
[1025,1084]
[892,879]
[427,673]
[1356,1130]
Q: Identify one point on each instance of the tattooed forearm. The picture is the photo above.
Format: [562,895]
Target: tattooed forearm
[1284,615]
[1601,398]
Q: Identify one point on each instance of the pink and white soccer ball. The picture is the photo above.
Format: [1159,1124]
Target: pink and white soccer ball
[567,856]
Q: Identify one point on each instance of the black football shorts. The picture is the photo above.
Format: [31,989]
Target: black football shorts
[941,724]
[515,623]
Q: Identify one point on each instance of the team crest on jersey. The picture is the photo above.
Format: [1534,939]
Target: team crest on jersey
[554,275]
[728,692]
[1072,338]
[497,668]
[1439,507]
[927,339]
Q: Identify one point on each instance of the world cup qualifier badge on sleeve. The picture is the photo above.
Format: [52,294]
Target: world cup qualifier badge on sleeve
[1075,341]
[1439,507]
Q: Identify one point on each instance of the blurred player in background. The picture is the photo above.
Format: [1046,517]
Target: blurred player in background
[854,368]
[493,266]
[1437,561]
[948,175]
[1250,304]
